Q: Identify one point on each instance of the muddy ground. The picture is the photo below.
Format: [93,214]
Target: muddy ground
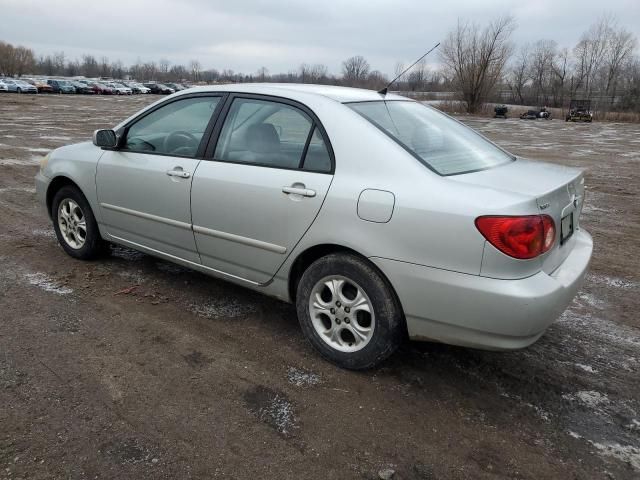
[184,376]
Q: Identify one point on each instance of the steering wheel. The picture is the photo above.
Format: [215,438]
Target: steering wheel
[181,137]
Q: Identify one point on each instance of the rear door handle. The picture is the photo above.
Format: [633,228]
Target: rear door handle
[178,173]
[305,192]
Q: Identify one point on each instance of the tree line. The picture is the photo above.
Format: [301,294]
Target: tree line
[480,63]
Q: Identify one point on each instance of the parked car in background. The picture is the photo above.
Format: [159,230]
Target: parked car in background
[529,115]
[61,86]
[579,111]
[19,86]
[82,88]
[136,87]
[101,88]
[159,88]
[3,87]
[375,215]
[41,85]
[120,88]
[177,87]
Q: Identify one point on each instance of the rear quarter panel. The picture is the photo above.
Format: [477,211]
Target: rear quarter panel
[433,217]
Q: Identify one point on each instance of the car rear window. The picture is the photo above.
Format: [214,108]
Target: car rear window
[443,144]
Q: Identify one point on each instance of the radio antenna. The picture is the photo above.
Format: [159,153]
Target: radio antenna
[386,89]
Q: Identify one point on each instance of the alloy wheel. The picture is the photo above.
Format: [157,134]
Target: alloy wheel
[341,313]
[72,223]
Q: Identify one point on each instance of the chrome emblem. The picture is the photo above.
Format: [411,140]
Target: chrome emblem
[544,206]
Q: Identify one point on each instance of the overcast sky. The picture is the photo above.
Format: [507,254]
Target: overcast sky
[245,35]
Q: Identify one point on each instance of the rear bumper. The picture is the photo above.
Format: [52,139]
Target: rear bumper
[482,312]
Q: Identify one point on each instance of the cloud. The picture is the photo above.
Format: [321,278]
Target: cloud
[245,35]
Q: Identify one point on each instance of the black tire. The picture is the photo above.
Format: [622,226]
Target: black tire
[389,327]
[94,245]
[19,90]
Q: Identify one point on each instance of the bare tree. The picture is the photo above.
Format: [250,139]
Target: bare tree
[417,76]
[150,71]
[163,68]
[519,74]
[262,74]
[476,58]
[589,54]
[312,73]
[620,47]
[560,67]
[89,66]
[541,65]
[355,70]
[104,67]
[195,68]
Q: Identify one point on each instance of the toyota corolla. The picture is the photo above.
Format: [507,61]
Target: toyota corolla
[377,216]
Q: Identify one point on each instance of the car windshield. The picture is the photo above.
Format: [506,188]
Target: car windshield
[443,144]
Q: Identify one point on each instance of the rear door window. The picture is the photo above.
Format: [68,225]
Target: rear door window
[262,132]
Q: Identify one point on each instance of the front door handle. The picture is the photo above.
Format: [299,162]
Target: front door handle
[178,172]
[305,192]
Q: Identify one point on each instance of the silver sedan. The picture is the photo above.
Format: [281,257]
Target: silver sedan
[375,215]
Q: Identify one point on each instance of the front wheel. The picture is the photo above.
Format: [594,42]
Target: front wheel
[348,311]
[75,224]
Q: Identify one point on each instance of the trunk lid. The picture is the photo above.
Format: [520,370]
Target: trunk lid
[558,191]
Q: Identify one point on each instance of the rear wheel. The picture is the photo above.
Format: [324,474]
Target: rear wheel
[75,224]
[348,311]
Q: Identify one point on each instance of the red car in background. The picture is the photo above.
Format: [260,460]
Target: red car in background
[102,89]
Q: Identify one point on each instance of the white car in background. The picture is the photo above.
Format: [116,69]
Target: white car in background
[137,87]
[119,88]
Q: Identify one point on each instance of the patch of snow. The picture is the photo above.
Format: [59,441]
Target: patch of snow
[43,281]
[278,412]
[55,137]
[590,300]
[586,368]
[223,308]
[589,398]
[634,425]
[300,378]
[611,281]
[18,189]
[41,232]
[626,453]
[38,150]
[574,434]
[19,161]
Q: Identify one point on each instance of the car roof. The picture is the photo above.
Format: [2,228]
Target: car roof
[340,94]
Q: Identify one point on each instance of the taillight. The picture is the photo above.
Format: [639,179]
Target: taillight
[520,237]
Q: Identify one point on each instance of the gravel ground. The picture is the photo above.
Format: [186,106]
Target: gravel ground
[131,367]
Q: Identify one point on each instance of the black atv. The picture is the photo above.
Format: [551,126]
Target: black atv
[500,111]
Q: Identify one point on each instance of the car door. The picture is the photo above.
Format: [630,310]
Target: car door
[252,201]
[144,185]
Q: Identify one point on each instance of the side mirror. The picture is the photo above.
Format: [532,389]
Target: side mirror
[105,138]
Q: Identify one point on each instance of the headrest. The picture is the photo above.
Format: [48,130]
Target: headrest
[263,138]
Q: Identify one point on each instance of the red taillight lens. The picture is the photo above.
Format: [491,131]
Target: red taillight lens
[519,237]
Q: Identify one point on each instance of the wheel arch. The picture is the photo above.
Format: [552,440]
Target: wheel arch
[311,254]
[56,184]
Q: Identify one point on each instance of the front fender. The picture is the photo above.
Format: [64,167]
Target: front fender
[77,163]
